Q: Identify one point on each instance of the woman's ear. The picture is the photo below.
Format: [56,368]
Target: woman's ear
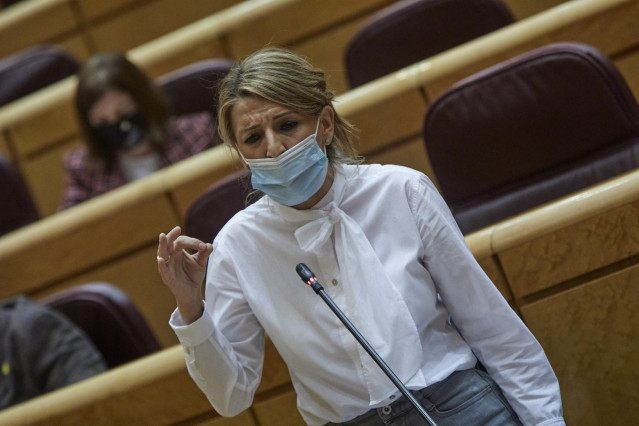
[327,121]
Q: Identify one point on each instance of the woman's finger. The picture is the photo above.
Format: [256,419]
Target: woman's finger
[162,246]
[184,242]
[202,255]
[172,235]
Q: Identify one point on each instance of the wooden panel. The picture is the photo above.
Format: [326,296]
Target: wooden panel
[78,46]
[492,269]
[399,118]
[628,64]
[524,8]
[410,154]
[212,49]
[33,22]
[330,60]
[591,337]
[91,9]
[136,274]
[572,251]
[317,17]
[90,243]
[44,175]
[41,130]
[159,18]
[153,390]
[280,410]
[182,399]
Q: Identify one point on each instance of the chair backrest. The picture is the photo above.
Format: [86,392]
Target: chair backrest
[110,319]
[412,30]
[208,214]
[530,130]
[33,69]
[18,208]
[193,88]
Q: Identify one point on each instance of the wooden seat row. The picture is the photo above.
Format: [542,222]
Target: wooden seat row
[571,267]
[35,132]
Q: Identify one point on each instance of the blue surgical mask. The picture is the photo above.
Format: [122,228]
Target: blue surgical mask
[294,176]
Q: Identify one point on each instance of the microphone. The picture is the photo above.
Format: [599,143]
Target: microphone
[311,280]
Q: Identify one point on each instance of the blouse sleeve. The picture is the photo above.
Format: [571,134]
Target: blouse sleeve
[224,349]
[497,336]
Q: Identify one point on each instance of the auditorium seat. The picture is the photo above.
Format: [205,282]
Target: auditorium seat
[18,208]
[530,130]
[109,318]
[32,70]
[412,30]
[208,214]
[193,88]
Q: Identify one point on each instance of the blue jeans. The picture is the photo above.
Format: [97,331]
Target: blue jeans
[465,398]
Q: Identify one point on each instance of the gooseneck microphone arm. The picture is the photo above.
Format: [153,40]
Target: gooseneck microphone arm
[309,278]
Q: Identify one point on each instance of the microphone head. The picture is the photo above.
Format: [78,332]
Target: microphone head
[304,272]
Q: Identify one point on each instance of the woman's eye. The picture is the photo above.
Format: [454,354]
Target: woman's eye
[289,125]
[251,139]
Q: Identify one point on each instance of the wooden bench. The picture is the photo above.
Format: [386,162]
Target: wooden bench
[571,266]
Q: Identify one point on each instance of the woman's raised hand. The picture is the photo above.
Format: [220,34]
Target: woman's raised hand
[183,272]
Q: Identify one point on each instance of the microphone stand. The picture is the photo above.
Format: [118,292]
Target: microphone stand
[310,279]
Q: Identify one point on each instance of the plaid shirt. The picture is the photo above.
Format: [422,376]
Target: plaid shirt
[189,135]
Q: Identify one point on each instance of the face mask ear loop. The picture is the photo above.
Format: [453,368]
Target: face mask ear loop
[316,130]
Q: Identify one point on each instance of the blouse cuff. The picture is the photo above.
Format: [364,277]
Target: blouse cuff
[195,333]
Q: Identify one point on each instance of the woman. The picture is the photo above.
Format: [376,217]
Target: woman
[126,124]
[396,262]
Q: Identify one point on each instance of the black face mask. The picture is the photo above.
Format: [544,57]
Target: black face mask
[123,135]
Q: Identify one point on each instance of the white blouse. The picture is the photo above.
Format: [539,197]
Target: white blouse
[388,252]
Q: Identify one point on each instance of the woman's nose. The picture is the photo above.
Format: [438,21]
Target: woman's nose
[274,146]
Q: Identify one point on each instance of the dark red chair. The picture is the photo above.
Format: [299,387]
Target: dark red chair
[530,130]
[32,70]
[18,208]
[193,88]
[412,30]
[209,213]
[109,318]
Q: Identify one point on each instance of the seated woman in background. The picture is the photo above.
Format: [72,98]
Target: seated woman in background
[128,129]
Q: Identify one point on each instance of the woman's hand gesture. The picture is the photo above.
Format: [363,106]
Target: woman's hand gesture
[183,272]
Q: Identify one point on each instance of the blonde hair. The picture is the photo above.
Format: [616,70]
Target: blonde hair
[282,77]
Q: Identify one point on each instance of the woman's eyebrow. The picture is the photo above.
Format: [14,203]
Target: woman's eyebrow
[275,117]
